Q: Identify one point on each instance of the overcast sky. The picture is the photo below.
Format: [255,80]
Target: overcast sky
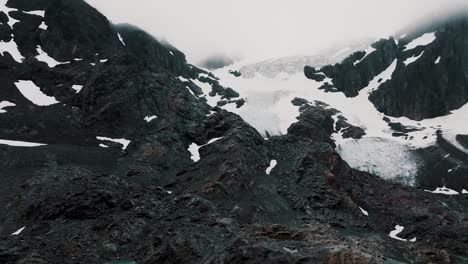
[267,28]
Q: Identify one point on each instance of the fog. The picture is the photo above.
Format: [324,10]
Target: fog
[260,29]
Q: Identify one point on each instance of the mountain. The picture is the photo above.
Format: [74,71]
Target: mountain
[114,149]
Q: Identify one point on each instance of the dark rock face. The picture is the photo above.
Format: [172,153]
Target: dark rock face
[433,85]
[151,202]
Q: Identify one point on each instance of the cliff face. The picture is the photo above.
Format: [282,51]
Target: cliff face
[431,71]
[139,164]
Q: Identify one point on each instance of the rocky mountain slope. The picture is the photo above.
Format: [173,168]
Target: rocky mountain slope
[430,71]
[115,150]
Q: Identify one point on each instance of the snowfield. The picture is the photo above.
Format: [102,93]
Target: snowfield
[268,109]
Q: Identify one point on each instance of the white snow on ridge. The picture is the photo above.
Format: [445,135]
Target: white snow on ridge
[15,143]
[412,59]
[368,51]
[444,190]
[273,164]
[34,94]
[124,142]
[4,104]
[423,40]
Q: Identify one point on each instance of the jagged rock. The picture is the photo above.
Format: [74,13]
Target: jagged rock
[86,200]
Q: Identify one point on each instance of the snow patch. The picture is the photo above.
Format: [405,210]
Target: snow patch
[124,142]
[194,149]
[36,12]
[423,40]
[43,25]
[150,118]
[17,232]
[394,234]
[412,59]
[464,191]
[15,143]
[12,48]
[438,60]
[273,164]
[444,190]
[44,57]
[34,94]
[4,104]
[368,51]
[121,39]
[77,88]
[172,53]
[364,212]
[104,60]
[103,145]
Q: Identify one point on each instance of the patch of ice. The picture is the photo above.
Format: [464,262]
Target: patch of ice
[379,156]
[444,190]
[150,118]
[364,212]
[15,143]
[271,167]
[423,40]
[18,231]
[194,149]
[124,142]
[34,94]
[77,88]
[412,59]
[44,57]
[12,49]
[438,60]
[4,104]
[368,51]
[121,39]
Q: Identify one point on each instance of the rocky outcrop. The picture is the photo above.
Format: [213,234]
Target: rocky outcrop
[431,76]
[192,185]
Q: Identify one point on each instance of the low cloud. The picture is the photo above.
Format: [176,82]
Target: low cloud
[269,28]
